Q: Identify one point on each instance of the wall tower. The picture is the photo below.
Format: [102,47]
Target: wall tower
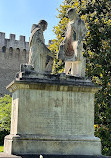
[12,53]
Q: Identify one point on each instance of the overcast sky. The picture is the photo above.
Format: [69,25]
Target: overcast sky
[17,16]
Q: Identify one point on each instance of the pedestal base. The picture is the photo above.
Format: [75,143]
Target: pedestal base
[4,155]
[36,145]
[52,114]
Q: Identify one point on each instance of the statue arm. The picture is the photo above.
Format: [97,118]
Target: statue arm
[61,54]
[84,31]
[45,49]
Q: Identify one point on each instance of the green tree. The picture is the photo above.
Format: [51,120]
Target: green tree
[97,50]
[5,117]
[5,113]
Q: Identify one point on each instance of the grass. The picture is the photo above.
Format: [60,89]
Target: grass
[1,148]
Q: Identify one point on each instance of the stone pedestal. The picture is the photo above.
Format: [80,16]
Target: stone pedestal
[53,115]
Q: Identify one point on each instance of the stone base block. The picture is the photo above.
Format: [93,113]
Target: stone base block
[32,145]
[4,155]
[65,156]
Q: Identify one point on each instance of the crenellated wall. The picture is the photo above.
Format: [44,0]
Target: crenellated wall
[12,42]
[12,53]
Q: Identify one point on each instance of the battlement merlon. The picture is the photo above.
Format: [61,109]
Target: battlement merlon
[22,38]
[12,42]
[2,35]
[12,37]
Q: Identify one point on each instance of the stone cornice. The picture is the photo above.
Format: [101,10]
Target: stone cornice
[51,85]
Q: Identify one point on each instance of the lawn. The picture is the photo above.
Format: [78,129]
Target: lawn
[1,148]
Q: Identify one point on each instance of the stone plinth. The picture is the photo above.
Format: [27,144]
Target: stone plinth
[52,114]
[3,155]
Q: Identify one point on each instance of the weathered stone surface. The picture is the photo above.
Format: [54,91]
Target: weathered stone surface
[50,146]
[65,156]
[40,55]
[53,114]
[4,155]
[60,82]
[71,47]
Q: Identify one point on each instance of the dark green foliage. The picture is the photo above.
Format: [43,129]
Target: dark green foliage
[5,116]
[2,135]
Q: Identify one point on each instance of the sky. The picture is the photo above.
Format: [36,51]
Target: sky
[17,16]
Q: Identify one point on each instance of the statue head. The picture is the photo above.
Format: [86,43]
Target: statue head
[43,24]
[72,14]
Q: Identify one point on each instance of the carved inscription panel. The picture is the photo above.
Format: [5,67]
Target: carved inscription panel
[55,113]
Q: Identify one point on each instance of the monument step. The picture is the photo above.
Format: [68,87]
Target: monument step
[4,155]
[64,156]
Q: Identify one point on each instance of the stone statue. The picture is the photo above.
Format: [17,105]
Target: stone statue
[40,56]
[71,47]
